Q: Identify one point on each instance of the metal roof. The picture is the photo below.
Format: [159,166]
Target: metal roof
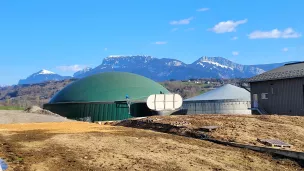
[292,70]
[226,92]
[109,87]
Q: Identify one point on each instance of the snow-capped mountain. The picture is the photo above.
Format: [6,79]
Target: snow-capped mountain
[42,76]
[223,68]
[3,86]
[83,71]
[162,69]
[148,66]
[166,69]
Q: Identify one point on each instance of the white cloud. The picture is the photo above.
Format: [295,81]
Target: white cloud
[190,29]
[105,49]
[181,22]
[174,29]
[202,9]
[234,38]
[227,26]
[160,43]
[285,49]
[235,53]
[274,34]
[73,68]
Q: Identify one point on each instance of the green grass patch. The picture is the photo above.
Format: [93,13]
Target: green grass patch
[11,108]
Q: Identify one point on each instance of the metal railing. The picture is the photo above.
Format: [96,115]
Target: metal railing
[260,109]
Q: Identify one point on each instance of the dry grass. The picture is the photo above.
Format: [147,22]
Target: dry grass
[84,146]
[247,128]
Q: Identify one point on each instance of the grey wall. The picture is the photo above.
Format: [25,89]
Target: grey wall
[217,107]
[287,96]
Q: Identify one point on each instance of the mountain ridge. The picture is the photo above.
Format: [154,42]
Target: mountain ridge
[162,69]
[42,76]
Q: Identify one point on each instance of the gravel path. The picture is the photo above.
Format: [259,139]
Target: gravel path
[14,116]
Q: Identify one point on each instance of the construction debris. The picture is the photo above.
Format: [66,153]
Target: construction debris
[180,124]
[105,122]
[208,128]
[274,143]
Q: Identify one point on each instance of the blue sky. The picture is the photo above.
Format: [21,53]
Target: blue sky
[64,36]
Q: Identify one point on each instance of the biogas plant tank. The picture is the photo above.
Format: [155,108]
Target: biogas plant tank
[228,99]
[102,97]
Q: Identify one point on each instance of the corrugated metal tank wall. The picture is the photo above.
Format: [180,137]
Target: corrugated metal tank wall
[92,112]
[216,107]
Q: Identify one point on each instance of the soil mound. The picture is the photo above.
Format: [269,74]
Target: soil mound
[38,110]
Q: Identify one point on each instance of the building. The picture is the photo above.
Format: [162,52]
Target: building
[279,91]
[227,99]
[103,97]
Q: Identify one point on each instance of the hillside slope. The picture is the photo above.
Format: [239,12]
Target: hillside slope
[38,94]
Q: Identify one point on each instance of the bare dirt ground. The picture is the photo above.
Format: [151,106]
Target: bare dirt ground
[242,128]
[87,146]
[19,116]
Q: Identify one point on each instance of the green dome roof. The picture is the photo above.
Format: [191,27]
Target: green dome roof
[108,87]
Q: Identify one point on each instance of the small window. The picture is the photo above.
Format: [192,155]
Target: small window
[264,95]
